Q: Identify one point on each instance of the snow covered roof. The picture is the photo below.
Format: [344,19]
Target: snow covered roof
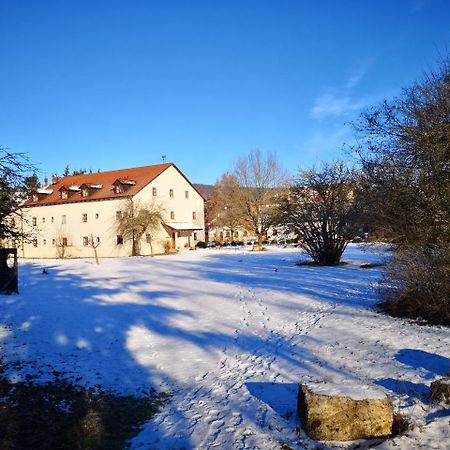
[180,226]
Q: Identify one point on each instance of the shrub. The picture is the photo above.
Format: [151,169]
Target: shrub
[233,243]
[167,247]
[417,284]
[201,244]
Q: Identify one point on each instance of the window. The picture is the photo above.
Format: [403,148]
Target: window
[64,195]
[84,192]
[119,239]
[44,241]
[13,223]
[245,233]
[52,219]
[148,238]
[98,240]
[228,234]
[84,217]
[154,192]
[53,241]
[34,242]
[34,221]
[186,194]
[35,198]
[118,215]
[118,189]
[64,242]
[85,241]
[195,236]
[171,193]
[172,215]
[43,220]
[194,215]
[63,219]
[97,215]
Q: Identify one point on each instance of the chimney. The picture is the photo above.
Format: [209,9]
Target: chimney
[54,179]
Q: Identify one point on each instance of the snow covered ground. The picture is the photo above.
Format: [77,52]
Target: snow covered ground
[231,333]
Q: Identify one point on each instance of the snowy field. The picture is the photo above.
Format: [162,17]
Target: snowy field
[231,333]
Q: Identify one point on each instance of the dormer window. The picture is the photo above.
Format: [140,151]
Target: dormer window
[121,185]
[87,189]
[39,194]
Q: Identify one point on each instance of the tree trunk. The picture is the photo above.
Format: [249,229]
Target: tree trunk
[96,256]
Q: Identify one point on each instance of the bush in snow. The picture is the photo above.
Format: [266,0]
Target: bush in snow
[417,284]
[320,210]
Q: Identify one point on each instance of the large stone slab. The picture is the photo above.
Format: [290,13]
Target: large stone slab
[344,412]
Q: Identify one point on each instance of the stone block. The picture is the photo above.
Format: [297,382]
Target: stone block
[344,412]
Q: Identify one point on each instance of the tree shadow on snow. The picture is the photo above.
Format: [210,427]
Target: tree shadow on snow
[281,397]
[341,284]
[418,391]
[420,359]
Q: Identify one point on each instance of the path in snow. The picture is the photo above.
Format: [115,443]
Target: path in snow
[220,412]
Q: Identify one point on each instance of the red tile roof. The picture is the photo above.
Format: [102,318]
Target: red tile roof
[140,175]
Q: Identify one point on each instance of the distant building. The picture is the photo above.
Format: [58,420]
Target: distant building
[66,216]
[225,234]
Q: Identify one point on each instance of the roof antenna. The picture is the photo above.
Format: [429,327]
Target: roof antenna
[163,157]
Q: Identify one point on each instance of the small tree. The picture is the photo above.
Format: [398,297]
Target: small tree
[94,244]
[320,209]
[261,180]
[136,220]
[62,244]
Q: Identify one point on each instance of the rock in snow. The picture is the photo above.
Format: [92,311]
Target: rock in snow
[329,413]
[440,391]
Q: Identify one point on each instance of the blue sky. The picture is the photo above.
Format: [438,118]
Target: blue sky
[114,84]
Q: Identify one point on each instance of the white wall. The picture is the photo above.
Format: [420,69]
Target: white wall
[105,226]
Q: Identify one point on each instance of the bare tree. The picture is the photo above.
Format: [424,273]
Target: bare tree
[404,191]
[405,154]
[62,244]
[94,244]
[321,210]
[262,180]
[136,220]
[13,170]
[224,207]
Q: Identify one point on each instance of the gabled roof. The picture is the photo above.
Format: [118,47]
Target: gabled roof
[140,175]
[205,189]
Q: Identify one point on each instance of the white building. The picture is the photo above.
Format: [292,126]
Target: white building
[72,213]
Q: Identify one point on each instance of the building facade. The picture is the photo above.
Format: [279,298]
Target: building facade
[75,214]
